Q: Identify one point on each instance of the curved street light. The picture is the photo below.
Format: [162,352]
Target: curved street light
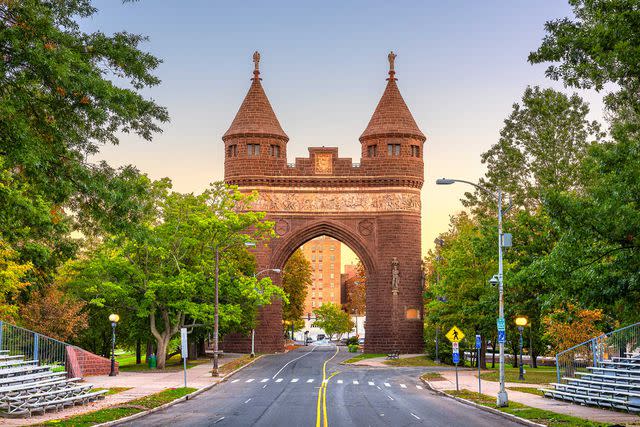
[502,399]
[114,319]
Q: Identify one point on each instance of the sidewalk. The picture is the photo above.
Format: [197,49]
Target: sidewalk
[468,379]
[141,383]
[378,361]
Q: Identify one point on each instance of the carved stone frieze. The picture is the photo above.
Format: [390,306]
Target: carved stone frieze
[337,202]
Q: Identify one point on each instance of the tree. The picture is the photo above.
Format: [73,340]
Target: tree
[164,273]
[296,279]
[331,319]
[571,325]
[65,93]
[12,273]
[357,291]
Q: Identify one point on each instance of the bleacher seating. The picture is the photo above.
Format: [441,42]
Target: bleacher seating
[613,383]
[27,388]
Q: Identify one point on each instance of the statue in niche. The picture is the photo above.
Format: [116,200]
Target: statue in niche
[395,276]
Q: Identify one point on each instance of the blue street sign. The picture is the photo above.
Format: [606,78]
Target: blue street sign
[456,357]
[501,324]
[478,341]
[502,337]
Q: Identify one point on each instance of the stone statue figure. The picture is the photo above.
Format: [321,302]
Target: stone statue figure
[395,275]
[392,60]
[256,59]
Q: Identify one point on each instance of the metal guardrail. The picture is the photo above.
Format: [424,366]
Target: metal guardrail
[34,346]
[591,353]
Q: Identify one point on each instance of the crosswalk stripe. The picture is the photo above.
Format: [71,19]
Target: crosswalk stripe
[249,380]
[235,381]
[264,380]
[310,380]
[419,387]
[387,385]
[279,380]
[403,386]
[339,381]
[371,383]
[356,382]
[295,380]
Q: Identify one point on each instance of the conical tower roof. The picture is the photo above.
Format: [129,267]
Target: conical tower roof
[392,117]
[255,116]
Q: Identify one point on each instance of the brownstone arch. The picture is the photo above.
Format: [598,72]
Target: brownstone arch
[373,207]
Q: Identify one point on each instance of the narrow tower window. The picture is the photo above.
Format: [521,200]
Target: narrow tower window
[415,151]
[233,150]
[274,150]
[393,149]
[372,151]
[253,150]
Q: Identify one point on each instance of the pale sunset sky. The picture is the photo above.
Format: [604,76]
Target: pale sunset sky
[460,67]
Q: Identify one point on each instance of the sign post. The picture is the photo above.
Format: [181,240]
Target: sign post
[455,335]
[478,348]
[185,352]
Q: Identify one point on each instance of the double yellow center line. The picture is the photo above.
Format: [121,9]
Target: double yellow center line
[322,394]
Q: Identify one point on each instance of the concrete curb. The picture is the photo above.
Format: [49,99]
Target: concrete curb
[482,407]
[173,402]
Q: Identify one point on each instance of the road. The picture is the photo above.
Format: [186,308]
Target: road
[288,390]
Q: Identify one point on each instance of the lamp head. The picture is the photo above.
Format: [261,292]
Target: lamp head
[444,181]
[114,318]
[521,321]
[276,270]
[495,280]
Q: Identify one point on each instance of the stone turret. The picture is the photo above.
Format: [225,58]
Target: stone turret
[392,143]
[255,143]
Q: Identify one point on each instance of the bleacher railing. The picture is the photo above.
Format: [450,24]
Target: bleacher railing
[619,343]
[34,346]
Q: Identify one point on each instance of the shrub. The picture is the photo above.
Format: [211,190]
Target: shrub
[353,348]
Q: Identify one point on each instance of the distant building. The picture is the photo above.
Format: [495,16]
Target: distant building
[324,255]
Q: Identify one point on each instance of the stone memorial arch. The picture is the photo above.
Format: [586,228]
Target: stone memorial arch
[373,207]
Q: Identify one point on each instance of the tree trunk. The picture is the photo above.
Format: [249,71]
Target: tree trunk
[149,352]
[161,355]
[483,354]
[138,352]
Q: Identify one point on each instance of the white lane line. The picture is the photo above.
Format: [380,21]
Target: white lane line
[419,387]
[295,380]
[264,380]
[371,383]
[247,401]
[387,385]
[355,382]
[249,380]
[339,381]
[379,388]
[279,380]
[403,386]
[310,380]
[218,420]
[285,365]
[234,381]
[390,398]
[414,416]
[265,386]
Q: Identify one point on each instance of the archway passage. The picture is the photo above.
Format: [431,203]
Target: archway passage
[373,207]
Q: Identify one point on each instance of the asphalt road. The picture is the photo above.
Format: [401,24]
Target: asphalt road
[287,390]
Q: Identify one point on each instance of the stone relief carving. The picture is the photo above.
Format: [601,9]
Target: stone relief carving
[337,202]
[395,275]
[365,227]
[324,163]
[282,227]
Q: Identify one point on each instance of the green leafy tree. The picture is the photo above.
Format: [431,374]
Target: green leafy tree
[357,291]
[296,279]
[332,319]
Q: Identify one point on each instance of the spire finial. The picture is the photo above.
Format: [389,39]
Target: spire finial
[256,62]
[392,59]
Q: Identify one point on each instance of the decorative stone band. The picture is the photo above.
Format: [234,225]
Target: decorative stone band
[321,200]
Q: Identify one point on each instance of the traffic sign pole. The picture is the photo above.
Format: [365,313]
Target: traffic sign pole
[478,347]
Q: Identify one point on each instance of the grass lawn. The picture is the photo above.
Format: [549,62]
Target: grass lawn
[431,376]
[121,411]
[539,375]
[127,363]
[412,361]
[530,390]
[363,356]
[552,419]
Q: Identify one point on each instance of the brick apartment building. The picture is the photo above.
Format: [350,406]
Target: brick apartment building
[324,255]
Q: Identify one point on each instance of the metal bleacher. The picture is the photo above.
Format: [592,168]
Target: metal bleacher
[27,387]
[613,383]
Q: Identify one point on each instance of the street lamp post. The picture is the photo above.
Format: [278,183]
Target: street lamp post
[114,318]
[521,321]
[502,399]
[253,331]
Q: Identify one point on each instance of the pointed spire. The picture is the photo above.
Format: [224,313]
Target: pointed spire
[255,116]
[392,117]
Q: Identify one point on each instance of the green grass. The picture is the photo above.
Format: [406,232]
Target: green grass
[112,390]
[127,363]
[541,416]
[412,361]
[431,376]
[121,411]
[364,356]
[531,390]
[539,375]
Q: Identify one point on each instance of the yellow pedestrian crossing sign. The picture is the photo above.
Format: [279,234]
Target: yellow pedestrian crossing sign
[455,334]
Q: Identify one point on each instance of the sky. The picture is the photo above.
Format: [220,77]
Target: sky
[460,67]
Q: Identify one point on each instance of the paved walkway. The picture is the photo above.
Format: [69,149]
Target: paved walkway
[468,380]
[378,362]
[141,383]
